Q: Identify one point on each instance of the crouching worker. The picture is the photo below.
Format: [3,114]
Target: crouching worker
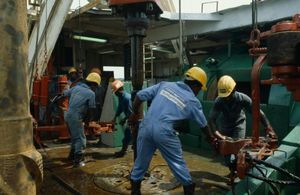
[230,106]
[81,109]
[124,106]
[171,102]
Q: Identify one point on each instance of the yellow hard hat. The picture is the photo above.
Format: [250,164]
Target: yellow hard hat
[196,73]
[226,85]
[94,77]
[117,84]
[96,70]
[72,70]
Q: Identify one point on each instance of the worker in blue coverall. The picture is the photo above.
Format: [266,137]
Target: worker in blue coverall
[230,106]
[73,77]
[81,109]
[124,106]
[171,102]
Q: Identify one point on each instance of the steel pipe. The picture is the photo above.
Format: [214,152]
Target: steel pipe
[20,163]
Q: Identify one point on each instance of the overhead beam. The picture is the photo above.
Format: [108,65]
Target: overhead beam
[39,31]
[268,10]
[45,34]
[86,8]
[192,16]
[168,5]
[98,29]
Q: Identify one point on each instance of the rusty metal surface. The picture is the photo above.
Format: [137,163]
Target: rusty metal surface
[255,95]
[20,163]
[283,49]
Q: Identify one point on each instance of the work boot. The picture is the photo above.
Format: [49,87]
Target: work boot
[78,161]
[71,156]
[122,152]
[135,187]
[189,189]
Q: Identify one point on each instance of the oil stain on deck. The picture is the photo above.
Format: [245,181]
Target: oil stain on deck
[104,174]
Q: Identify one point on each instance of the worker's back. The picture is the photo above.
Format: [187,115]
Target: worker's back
[81,98]
[172,101]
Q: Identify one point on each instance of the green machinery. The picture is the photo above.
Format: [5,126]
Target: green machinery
[278,104]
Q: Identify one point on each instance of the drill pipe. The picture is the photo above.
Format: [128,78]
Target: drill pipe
[20,163]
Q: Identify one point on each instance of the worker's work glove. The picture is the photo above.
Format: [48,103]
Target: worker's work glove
[270,132]
[219,135]
[214,143]
[228,138]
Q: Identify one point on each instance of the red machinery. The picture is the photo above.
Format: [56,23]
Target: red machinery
[283,55]
[54,122]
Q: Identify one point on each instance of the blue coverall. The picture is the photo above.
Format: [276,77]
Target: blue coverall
[125,106]
[171,101]
[81,98]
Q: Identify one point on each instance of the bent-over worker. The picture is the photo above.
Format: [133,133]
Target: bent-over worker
[81,109]
[171,102]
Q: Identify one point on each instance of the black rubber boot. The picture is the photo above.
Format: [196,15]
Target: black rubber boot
[71,156]
[122,152]
[78,160]
[189,189]
[135,187]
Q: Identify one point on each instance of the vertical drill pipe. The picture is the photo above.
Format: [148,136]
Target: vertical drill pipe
[137,62]
[20,163]
[255,75]
[137,79]
[136,23]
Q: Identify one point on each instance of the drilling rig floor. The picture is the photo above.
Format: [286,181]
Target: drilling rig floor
[104,174]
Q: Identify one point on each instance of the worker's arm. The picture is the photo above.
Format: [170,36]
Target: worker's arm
[136,109]
[263,118]
[209,135]
[120,109]
[211,138]
[216,132]
[92,114]
[198,115]
[66,93]
[268,127]
[212,123]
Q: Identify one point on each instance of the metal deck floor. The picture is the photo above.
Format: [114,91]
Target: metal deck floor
[103,173]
